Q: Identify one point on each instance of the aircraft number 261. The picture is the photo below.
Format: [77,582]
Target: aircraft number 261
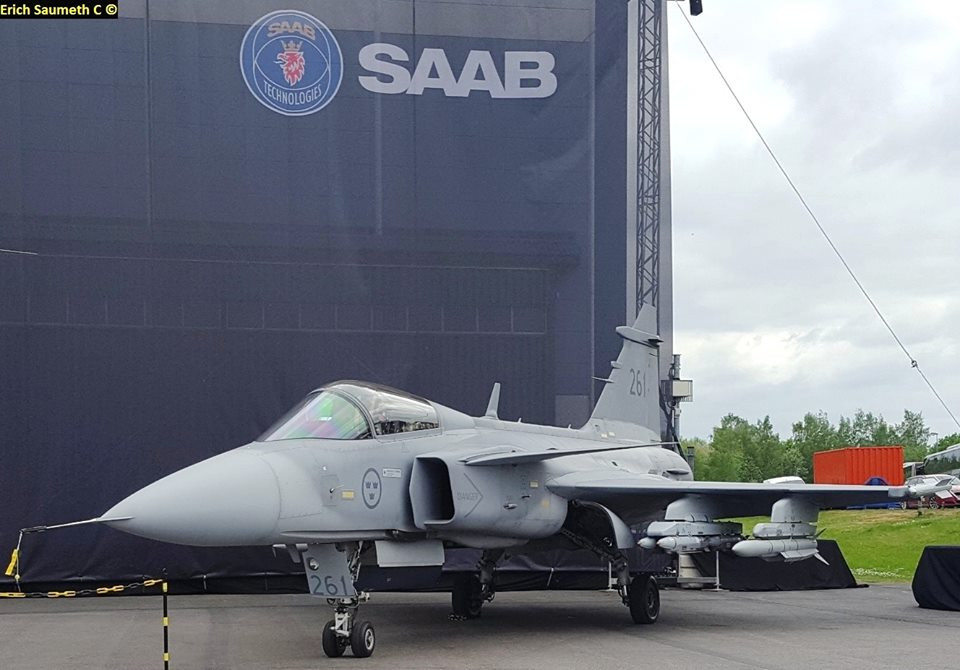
[328,586]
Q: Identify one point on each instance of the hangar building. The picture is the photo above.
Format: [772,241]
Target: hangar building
[433,195]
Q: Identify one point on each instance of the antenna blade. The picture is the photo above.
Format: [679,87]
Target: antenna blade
[494,404]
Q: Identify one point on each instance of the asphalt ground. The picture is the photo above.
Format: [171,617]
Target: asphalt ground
[876,627]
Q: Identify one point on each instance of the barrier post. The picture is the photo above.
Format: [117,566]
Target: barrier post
[166,629]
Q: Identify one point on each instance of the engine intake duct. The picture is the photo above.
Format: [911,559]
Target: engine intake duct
[430,492]
[495,502]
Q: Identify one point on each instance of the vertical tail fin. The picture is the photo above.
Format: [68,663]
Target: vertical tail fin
[631,394]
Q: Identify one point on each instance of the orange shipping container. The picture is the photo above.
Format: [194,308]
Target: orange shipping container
[855,465]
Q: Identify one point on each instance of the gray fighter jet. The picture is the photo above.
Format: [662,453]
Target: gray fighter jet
[358,466]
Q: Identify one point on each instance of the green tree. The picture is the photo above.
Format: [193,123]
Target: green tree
[812,434]
[913,434]
[945,441]
[763,451]
[865,429]
[724,456]
[701,452]
[741,451]
[794,462]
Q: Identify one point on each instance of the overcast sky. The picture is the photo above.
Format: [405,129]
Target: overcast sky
[860,99]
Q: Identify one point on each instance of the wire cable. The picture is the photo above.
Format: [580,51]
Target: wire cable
[913,361]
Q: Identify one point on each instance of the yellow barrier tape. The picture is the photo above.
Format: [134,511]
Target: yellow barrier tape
[12,594]
[13,562]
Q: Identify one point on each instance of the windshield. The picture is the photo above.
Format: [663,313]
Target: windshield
[392,411]
[321,414]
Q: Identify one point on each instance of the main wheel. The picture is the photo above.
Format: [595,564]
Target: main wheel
[362,639]
[903,504]
[643,595]
[466,597]
[933,503]
[333,644]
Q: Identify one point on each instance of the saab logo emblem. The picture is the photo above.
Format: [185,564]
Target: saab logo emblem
[371,488]
[291,63]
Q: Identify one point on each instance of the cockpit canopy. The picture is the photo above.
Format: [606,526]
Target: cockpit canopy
[351,410]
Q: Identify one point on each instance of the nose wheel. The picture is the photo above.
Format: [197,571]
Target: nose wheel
[362,639]
[346,630]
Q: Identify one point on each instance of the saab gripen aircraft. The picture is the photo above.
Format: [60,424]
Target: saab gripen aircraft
[358,466]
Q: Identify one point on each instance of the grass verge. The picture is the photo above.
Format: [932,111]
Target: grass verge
[884,545]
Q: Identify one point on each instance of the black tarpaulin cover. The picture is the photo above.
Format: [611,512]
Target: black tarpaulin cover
[936,583]
[197,262]
[756,574]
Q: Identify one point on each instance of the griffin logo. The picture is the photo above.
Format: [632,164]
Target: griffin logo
[291,59]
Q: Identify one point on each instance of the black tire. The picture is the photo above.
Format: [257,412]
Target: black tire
[643,595]
[466,597]
[933,503]
[903,504]
[362,639]
[333,644]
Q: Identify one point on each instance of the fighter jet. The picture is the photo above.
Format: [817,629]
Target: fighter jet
[357,466]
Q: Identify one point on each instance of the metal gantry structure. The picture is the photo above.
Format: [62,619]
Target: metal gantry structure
[649,111]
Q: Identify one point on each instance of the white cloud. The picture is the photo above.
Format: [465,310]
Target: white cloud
[858,99]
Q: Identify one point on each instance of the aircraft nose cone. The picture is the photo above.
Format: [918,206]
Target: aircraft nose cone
[228,500]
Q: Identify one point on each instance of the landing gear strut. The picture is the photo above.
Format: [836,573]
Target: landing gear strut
[333,571]
[471,590]
[640,593]
[344,629]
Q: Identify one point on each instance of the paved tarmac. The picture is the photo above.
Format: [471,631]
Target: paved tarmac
[876,627]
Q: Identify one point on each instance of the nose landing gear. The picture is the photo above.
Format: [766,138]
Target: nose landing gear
[344,629]
[332,570]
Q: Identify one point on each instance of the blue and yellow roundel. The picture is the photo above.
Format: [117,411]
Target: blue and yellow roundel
[291,62]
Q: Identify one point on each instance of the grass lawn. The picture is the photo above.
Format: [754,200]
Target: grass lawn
[884,545]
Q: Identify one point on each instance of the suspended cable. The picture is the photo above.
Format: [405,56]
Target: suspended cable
[913,362]
[17,251]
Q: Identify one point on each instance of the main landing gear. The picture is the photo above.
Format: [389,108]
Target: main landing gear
[640,593]
[472,589]
[643,599]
